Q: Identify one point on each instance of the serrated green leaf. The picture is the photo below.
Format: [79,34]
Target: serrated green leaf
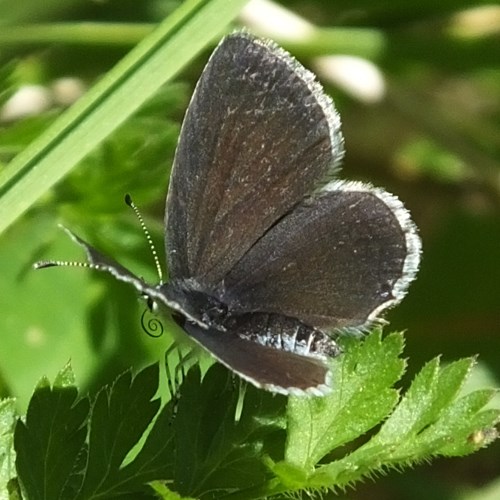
[120,416]
[65,377]
[199,435]
[450,380]
[8,418]
[49,443]
[420,425]
[463,419]
[378,353]
[415,409]
[205,417]
[197,448]
[236,462]
[451,428]
[215,453]
[428,421]
[458,429]
[361,398]
[156,459]
[484,434]
[187,429]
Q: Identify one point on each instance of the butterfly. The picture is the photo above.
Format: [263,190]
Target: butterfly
[270,258]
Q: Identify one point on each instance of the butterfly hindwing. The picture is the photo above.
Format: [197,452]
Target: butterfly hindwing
[337,260]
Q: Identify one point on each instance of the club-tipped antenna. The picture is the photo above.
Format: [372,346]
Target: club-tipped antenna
[133,206]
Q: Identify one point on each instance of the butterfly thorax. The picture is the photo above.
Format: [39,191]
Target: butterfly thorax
[195,304]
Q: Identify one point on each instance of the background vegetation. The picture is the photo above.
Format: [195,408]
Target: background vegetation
[433,140]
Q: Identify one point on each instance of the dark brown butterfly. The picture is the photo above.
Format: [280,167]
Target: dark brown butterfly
[269,259]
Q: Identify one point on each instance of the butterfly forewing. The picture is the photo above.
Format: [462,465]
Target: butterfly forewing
[257,137]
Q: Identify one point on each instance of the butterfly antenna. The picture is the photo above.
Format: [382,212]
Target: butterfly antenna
[133,206]
[42,264]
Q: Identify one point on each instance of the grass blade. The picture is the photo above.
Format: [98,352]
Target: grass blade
[154,61]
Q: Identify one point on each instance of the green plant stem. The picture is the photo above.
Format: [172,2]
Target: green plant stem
[85,33]
[366,42]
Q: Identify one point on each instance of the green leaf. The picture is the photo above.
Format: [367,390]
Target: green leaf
[469,428]
[214,451]
[429,421]
[65,377]
[213,441]
[451,379]
[361,398]
[415,409]
[120,416]
[242,444]
[156,459]
[164,493]
[433,389]
[153,62]
[49,442]
[7,455]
